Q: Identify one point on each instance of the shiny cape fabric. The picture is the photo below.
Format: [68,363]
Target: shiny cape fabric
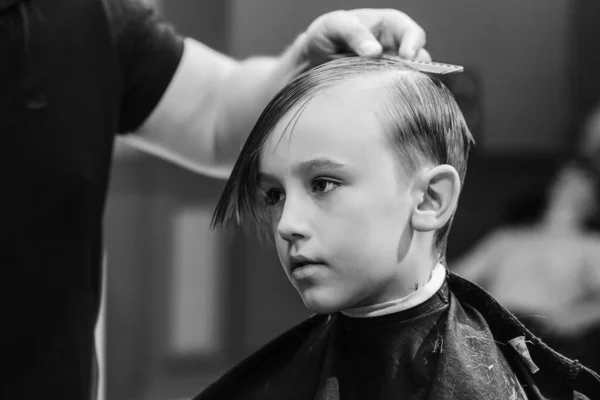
[455,346]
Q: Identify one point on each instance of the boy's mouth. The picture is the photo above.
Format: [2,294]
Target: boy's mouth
[304,268]
[297,262]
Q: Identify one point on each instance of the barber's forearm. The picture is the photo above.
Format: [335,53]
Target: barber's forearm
[211,105]
[248,90]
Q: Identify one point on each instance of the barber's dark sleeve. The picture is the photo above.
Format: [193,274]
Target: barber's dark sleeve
[149,52]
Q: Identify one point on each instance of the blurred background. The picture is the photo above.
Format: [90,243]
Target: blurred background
[183,303]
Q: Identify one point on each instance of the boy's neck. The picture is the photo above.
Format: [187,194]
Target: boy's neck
[418,263]
[413,272]
[415,298]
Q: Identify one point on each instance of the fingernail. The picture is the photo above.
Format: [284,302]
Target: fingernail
[369,48]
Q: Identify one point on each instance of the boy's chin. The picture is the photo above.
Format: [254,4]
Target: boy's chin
[323,303]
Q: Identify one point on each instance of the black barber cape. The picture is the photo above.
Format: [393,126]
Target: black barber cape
[453,346]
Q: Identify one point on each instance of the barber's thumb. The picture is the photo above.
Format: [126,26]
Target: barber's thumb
[361,41]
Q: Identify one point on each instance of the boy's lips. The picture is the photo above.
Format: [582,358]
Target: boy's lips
[303,268]
[299,261]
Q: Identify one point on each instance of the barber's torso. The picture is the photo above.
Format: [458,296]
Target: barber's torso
[59,96]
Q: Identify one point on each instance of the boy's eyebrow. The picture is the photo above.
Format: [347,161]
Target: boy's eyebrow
[316,164]
[305,167]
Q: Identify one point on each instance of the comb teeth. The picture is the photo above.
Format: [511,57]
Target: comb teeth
[434,67]
[429,67]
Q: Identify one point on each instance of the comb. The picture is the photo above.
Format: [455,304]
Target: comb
[429,67]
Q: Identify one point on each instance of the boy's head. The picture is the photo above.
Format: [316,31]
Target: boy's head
[356,167]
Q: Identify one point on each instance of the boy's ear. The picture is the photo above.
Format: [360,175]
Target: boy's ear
[437,191]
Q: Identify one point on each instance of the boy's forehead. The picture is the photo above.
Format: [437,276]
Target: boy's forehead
[354,106]
[340,124]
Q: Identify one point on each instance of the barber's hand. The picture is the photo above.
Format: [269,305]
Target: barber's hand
[365,32]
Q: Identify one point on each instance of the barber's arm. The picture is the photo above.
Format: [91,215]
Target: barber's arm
[213,101]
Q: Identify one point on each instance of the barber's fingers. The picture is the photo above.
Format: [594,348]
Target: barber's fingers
[423,55]
[412,39]
[339,32]
[366,32]
[396,31]
[410,35]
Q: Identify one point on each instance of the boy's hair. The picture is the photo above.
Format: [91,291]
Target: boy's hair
[423,122]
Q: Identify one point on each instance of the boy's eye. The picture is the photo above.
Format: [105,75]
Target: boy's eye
[273,196]
[321,185]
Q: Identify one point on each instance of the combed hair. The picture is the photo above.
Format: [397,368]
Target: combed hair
[420,114]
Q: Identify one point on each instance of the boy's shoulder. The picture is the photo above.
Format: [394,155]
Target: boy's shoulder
[544,371]
[255,372]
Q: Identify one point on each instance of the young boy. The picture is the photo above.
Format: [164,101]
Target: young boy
[356,168]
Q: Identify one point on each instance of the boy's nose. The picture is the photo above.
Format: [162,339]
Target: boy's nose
[293,224]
